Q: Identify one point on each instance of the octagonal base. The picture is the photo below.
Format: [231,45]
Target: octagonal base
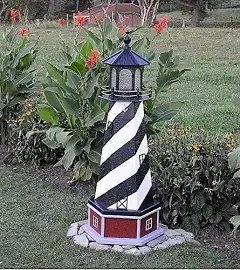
[123,227]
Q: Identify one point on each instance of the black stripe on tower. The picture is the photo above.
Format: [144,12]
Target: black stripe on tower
[120,121]
[126,188]
[147,201]
[124,153]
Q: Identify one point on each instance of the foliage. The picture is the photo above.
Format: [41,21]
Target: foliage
[74,108]
[30,149]
[192,180]
[236,223]
[16,76]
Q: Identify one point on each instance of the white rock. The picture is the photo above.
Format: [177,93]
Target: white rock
[126,247]
[172,233]
[81,230]
[89,237]
[144,250]
[133,251]
[73,230]
[157,241]
[81,240]
[117,248]
[160,246]
[174,241]
[96,246]
[185,233]
[82,222]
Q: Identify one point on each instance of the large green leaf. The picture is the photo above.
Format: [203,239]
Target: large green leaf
[24,51]
[73,80]
[236,223]
[198,200]
[165,112]
[86,48]
[97,114]
[23,79]
[234,159]
[94,38]
[95,156]
[57,76]
[107,27]
[90,86]
[48,113]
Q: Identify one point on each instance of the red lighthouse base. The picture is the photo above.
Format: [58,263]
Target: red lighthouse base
[123,227]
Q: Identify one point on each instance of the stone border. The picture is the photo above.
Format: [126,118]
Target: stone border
[168,239]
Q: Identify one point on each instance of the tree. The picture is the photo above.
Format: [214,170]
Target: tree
[149,10]
[198,8]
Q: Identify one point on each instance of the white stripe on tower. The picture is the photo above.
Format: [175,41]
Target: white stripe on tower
[135,200]
[116,109]
[122,172]
[124,135]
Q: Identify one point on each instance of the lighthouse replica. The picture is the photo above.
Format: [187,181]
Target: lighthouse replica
[123,211]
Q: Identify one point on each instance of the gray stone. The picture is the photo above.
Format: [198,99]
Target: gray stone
[73,230]
[117,248]
[81,240]
[172,233]
[127,247]
[145,250]
[160,246]
[133,251]
[174,241]
[185,233]
[82,222]
[81,230]
[96,246]
[157,241]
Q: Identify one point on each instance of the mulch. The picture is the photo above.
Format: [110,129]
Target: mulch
[209,236]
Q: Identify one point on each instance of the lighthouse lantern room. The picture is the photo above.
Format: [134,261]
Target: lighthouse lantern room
[123,210]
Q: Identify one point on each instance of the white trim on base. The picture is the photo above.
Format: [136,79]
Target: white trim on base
[123,241]
[124,217]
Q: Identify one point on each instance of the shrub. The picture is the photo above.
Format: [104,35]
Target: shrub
[30,149]
[192,180]
[16,76]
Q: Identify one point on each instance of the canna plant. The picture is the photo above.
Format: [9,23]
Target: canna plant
[16,76]
[73,107]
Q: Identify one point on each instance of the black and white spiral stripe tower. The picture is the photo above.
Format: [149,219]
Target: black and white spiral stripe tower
[123,197]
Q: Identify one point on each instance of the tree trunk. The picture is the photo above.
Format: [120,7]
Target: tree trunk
[51,7]
[196,16]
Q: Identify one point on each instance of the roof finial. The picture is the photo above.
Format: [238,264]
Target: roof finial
[127,40]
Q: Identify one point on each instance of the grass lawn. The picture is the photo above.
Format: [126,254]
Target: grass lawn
[36,215]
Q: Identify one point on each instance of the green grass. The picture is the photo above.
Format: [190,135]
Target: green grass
[215,16]
[36,215]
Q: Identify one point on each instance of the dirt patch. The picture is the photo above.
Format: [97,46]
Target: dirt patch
[209,236]
[215,239]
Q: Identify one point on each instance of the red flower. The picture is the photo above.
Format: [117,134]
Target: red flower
[61,21]
[79,19]
[13,15]
[92,59]
[161,25]
[122,27]
[24,32]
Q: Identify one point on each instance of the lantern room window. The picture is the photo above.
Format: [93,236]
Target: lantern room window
[125,79]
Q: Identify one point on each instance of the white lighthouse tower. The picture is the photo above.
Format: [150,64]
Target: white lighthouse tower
[123,210]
